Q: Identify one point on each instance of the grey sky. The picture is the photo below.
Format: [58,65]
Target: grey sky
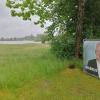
[14,26]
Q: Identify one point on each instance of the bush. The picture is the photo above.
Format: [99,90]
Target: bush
[63,46]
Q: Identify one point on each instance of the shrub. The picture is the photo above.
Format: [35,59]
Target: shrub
[63,46]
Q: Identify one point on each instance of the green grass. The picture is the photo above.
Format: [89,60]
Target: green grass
[31,72]
[21,63]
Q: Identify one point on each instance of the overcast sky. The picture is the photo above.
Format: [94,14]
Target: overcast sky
[14,26]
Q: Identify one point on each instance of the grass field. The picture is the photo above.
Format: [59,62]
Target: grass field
[31,72]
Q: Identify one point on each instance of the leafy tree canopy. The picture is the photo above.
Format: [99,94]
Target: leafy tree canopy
[65,16]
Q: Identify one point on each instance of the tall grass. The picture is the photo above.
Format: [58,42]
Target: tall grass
[31,72]
[22,63]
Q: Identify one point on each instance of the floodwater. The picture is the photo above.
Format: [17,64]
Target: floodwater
[18,42]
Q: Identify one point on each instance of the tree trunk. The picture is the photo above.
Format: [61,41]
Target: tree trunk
[79,27]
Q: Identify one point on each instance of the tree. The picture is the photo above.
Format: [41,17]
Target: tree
[78,19]
[92,18]
[42,38]
[79,27]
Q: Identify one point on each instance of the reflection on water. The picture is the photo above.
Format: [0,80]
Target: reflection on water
[18,42]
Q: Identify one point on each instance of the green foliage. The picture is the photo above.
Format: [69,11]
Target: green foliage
[63,46]
[59,12]
[92,19]
[64,16]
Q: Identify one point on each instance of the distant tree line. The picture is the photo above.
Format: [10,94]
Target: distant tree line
[30,37]
[38,38]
